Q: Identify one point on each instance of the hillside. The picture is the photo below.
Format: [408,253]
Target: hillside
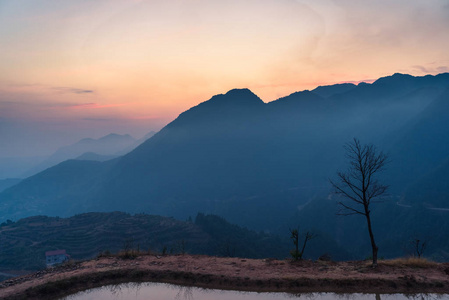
[6,183]
[84,236]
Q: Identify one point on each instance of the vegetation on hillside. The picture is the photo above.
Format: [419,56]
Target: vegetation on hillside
[24,243]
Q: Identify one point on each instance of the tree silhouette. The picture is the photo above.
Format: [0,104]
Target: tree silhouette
[294,236]
[358,186]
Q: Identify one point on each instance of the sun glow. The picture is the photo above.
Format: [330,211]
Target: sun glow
[131,59]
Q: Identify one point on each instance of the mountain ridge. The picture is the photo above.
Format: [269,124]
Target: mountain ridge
[235,151]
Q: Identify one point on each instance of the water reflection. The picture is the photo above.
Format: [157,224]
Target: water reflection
[184,293]
[162,291]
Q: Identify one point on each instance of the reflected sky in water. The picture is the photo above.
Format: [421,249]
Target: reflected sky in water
[162,291]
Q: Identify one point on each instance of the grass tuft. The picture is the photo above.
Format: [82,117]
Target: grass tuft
[128,254]
[413,262]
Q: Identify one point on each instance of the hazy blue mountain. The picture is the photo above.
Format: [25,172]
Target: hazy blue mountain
[6,183]
[254,163]
[135,144]
[422,145]
[104,157]
[109,145]
[57,191]
[15,167]
[432,189]
[95,157]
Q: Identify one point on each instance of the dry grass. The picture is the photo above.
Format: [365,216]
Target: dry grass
[413,262]
[129,254]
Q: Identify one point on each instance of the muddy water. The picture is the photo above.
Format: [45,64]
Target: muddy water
[162,291]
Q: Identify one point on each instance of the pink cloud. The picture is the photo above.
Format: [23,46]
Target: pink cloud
[93,106]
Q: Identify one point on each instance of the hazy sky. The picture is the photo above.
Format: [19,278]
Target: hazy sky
[85,68]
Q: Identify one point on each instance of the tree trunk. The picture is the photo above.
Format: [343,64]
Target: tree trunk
[303,246]
[371,235]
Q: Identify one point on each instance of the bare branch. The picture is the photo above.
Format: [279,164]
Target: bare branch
[353,211]
[340,190]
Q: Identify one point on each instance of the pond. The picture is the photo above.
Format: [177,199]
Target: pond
[163,291]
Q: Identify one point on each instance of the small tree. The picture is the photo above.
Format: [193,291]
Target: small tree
[359,184]
[418,247]
[294,235]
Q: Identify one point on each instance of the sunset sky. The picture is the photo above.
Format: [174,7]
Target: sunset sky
[86,68]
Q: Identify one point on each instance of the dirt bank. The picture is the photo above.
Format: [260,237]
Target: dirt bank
[232,273]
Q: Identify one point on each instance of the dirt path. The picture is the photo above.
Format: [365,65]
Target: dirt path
[231,273]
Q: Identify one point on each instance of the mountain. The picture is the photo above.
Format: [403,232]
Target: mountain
[422,146]
[135,144]
[55,190]
[108,145]
[256,164]
[95,157]
[432,189]
[104,157]
[329,90]
[6,183]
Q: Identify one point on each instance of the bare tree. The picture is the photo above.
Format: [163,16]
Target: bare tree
[418,247]
[359,185]
[294,235]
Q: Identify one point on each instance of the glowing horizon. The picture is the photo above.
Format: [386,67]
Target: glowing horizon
[132,66]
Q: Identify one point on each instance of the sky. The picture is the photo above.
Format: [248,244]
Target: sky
[84,68]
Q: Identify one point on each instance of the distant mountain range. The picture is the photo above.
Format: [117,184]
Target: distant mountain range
[256,163]
[104,148]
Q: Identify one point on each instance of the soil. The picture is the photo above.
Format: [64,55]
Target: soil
[231,273]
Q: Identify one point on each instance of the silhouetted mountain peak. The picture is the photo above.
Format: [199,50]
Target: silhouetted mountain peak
[299,102]
[401,75]
[329,90]
[305,95]
[395,79]
[241,97]
[235,103]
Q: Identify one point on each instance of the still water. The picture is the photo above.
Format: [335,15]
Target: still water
[163,291]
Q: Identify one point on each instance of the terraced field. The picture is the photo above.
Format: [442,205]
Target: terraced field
[23,243]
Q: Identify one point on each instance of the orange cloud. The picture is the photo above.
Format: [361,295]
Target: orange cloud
[94,105]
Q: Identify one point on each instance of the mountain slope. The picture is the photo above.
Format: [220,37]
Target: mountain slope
[6,183]
[423,145]
[432,189]
[59,190]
